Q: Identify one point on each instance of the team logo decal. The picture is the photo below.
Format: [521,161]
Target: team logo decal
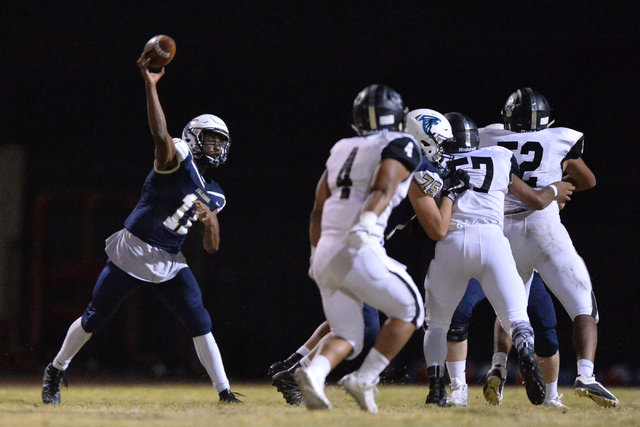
[427,122]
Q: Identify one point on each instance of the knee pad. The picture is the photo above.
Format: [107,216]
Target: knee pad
[92,321]
[457,334]
[546,343]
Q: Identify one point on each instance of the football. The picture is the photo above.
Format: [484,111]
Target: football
[161,49]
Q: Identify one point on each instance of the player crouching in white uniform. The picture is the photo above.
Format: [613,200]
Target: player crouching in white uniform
[365,177]
[538,239]
[475,247]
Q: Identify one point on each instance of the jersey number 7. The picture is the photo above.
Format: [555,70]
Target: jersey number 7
[476,163]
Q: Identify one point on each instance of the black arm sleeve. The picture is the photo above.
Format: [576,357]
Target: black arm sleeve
[515,168]
[576,150]
[405,151]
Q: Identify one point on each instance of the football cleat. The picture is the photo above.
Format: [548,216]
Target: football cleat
[533,381]
[51,382]
[363,393]
[589,387]
[494,385]
[283,365]
[228,396]
[458,395]
[556,402]
[312,390]
[437,393]
[286,384]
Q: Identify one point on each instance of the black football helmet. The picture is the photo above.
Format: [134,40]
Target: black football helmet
[465,134]
[526,110]
[378,107]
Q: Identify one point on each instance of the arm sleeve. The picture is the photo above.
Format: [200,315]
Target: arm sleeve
[404,150]
[576,150]
[515,168]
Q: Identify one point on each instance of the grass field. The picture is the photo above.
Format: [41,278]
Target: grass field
[197,405]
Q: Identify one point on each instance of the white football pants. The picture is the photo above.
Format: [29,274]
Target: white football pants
[479,251]
[346,279]
[540,241]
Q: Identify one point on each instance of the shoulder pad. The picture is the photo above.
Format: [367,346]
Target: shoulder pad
[182,149]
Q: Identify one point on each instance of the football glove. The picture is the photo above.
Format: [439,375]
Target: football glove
[456,184]
[359,234]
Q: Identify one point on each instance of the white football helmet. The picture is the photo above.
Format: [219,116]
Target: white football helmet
[193,135]
[430,129]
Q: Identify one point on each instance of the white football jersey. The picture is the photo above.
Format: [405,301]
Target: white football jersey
[489,172]
[539,155]
[350,168]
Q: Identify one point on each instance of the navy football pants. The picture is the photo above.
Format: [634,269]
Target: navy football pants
[540,310]
[181,295]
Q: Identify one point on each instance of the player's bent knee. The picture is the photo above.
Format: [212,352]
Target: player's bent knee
[546,343]
[199,323]
[92,321]
[457,334]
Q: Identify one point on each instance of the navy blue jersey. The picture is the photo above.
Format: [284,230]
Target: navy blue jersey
[165,211]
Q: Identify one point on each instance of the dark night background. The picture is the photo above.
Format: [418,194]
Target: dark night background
[283,76]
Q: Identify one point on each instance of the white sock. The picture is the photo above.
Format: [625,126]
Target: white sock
[210,357]
[373,365]
[457,370]
[303,351]
[73,342]
[499,359]
[304,362]
[319,367]
[585,367]
[552,390]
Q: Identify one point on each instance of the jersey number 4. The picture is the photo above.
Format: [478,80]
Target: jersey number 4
[477,163]
[344,181]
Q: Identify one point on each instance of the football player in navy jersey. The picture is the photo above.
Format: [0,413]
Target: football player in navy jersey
[146,252]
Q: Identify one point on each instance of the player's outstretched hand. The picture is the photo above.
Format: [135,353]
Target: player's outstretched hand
[565,190]
[143,65]
[456,184]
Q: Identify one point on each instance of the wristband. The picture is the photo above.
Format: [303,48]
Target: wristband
[368,219]
[555,190]
[313,251]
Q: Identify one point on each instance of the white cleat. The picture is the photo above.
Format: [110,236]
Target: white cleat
[363,393]
[458,395]
[555,402]
[312,390]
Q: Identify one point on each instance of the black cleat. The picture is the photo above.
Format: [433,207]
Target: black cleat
[533,381]
[437,393]
[286,384]
[51,382]
[284,364]
[589,387]
[228,396]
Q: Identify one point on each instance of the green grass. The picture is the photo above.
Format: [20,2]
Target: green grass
[197,405]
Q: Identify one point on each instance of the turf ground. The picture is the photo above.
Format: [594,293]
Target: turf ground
[197,405]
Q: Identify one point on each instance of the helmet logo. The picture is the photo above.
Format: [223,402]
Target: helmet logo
[427,122]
